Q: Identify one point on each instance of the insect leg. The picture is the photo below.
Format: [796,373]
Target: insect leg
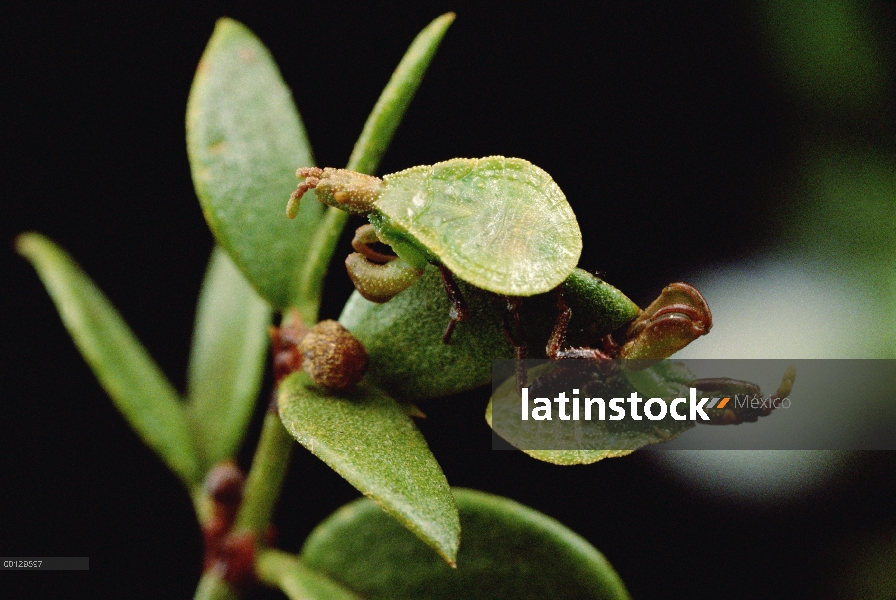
[516,336]
[555,349]
[558,335]
[734,414]
[458,311]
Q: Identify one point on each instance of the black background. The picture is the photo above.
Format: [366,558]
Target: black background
[661,124]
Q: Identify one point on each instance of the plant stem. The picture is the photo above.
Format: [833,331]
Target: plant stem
[265,477]
[260,494]
[367,154]
[396,96]
[322,247]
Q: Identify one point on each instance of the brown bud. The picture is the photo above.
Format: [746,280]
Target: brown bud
[224,483]
[285,342]
[333,357]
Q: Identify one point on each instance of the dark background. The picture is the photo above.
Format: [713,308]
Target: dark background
[663,125]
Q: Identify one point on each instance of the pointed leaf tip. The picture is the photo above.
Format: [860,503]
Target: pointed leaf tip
[509,551]
[244,140]
[396,96]
[122,365]
[369,439]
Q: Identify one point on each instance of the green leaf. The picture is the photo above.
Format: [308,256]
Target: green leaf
[404,339]
[371,145]
[121,364]
[368,438]
[397,96]
[404,335]
[230,341]
[212,587]
[245,140]
[598,308]
[508,551]
[297,580]
[593,440]
[575,457]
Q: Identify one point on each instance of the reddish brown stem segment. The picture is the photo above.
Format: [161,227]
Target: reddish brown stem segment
[226,552]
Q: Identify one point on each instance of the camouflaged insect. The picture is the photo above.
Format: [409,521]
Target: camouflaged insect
[500,224]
